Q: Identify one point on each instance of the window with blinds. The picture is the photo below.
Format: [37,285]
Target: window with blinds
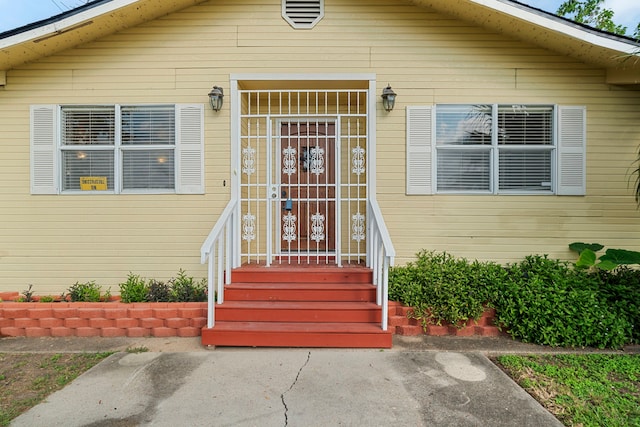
[88,141]
[494,148]
[148,142]
[144,146]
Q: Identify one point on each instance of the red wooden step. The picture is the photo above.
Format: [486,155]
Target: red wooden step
[306,274]
[293,311]
[299,306]
[300,292]
[281,334]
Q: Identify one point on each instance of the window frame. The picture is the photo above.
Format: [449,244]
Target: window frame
[46,150]
[118,148]
[571,150]
[494,149]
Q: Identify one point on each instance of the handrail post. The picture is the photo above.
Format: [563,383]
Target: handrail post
[380,257]
[385,294]
[219,250]
[210,290]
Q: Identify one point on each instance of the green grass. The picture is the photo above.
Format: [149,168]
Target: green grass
[581,390]
[26,379]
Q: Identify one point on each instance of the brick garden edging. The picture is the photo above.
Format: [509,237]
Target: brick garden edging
[102,319]
[401,324]
[163,319]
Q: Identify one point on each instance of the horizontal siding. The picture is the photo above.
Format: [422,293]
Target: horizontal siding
[54,241]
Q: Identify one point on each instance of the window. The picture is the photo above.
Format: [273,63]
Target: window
[495,149]
[117,149]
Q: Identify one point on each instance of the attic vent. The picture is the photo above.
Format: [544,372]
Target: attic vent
[302,14]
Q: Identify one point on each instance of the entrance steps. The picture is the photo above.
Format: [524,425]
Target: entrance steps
[299,306]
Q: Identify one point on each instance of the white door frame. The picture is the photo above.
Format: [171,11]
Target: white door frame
[281,81]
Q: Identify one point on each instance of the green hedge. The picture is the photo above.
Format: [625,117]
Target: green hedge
[537,300]
[442,288]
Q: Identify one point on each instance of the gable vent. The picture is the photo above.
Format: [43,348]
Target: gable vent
[303,14]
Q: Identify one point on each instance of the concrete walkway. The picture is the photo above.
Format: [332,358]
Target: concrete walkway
[181,383]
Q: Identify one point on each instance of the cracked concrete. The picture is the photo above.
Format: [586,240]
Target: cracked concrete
[322,387]
[284,403]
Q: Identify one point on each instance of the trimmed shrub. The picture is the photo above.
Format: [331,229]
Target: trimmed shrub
[621,288]
[442,288]
[537,300]
[548,302]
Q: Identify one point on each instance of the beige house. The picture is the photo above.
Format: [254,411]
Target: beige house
[513,132]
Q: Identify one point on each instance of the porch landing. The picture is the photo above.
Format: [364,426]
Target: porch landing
[299,305]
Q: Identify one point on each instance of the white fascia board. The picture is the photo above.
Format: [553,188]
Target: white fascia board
[65,24]
[558,26]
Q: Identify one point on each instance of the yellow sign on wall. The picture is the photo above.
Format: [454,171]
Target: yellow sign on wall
[93,183]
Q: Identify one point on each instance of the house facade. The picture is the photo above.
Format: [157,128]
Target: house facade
[513,132]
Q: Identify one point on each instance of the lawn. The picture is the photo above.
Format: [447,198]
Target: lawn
[26,379]
[581,390]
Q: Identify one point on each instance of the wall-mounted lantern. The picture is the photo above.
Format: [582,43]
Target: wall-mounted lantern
[388,98]
[216,97]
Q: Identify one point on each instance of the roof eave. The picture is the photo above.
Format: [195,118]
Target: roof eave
[80,26]
[618,55]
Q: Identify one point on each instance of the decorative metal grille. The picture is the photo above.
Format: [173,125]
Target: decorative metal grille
[303,188]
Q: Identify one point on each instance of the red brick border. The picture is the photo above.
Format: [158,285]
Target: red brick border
[105,319]
[109,319]
[402,324]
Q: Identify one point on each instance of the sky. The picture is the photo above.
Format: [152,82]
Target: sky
[16,13]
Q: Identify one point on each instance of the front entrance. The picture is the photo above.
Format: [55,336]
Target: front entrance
[303,175]
[308,186]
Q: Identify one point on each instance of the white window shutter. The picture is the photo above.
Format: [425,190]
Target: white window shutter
[44,129]
[190,149]
[419,150]
[572,151]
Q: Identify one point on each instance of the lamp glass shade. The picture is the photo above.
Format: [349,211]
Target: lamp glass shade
[388,98]
[216,98]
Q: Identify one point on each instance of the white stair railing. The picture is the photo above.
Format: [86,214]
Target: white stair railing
[380,256]
[219,249]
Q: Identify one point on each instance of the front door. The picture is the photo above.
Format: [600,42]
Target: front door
[308,186]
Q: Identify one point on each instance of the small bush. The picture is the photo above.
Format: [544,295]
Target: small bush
[85,292]
[621,289]
[186,289]
[47,298]
[158,291]
[134,289]
[548,302]
[27,294]
[442,288]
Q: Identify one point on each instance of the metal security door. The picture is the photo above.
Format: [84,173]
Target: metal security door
[308,187]
[303,175]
